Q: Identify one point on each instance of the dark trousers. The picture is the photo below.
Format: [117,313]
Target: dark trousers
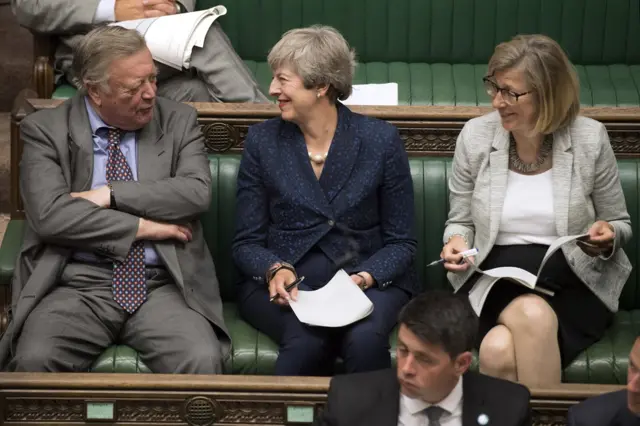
[308,350]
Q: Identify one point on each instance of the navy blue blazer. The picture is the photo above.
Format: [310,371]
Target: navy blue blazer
[359,213]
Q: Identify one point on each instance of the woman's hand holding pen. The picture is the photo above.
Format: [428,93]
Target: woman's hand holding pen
[451,254]
[277,285]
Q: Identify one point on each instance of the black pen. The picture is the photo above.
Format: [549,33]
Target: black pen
[287,288]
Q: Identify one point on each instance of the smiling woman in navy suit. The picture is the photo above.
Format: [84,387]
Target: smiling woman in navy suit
[322,189]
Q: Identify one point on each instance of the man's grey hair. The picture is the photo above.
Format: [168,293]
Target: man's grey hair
[98,49]
[320,56]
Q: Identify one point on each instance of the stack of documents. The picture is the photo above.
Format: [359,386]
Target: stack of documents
[171,38]
[340,302]
[484,284]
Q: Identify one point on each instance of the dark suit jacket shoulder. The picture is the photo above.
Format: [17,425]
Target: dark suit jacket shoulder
[373,399]
[365,193]
[609,409]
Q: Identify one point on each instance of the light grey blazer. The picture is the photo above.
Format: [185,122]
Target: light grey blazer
[586,188]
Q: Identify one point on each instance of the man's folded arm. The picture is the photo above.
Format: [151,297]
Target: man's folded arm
[56,216]
[180,198]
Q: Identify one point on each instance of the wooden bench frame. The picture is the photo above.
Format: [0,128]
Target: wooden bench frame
[158,399]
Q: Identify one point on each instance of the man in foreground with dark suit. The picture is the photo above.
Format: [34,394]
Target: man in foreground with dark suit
[621,408]
[432,385]
[113,182]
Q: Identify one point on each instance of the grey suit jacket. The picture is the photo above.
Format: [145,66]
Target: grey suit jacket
[586,188]
[68,20]
[174,185]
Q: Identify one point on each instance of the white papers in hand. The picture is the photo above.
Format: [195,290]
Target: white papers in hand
[373,94]
[484,284]
[340,302]
[171,38]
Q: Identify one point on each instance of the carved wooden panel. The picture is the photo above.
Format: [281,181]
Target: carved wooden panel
[198,410]
[43,410]
[228,137]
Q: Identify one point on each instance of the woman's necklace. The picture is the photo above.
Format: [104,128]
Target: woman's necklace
[318,158]
[520,166]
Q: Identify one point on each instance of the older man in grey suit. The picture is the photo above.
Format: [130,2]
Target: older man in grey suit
[113,182]
[216,74]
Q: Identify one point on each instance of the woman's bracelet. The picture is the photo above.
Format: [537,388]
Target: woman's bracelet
[278,266]
[464,238]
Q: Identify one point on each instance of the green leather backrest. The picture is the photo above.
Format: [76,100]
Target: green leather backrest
[450,31]
[430,176]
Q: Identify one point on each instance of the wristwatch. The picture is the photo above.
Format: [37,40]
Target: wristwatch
[278,266]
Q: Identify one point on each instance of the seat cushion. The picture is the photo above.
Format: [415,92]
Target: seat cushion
[63,91]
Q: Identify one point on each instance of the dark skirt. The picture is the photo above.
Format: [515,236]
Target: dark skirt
[582,317]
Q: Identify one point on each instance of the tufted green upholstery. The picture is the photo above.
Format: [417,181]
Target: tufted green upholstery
[437,50]
[254,353]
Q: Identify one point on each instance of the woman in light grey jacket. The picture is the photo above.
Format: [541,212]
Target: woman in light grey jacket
[524,175]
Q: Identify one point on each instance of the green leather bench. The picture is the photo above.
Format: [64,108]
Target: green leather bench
[437,50]
[254,353]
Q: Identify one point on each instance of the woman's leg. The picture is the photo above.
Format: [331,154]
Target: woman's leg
[534,327]
[497,354]
[365,346]
[304,350]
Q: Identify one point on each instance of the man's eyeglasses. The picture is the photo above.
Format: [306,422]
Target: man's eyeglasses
[509,96]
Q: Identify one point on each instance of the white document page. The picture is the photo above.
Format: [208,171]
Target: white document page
[484,284]
[140,25]
[373,94]
[171,38]
[340,302]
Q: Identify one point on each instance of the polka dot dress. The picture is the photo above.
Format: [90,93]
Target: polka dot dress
[129,281]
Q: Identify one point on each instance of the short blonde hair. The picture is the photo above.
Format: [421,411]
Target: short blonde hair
[548,72]
[320,56]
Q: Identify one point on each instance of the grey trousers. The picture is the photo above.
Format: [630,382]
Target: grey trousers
[217,74]
[79,319]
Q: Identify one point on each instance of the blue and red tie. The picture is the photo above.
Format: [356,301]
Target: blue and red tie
[129,279]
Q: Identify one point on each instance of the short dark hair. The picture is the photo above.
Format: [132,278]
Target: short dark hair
[442,318]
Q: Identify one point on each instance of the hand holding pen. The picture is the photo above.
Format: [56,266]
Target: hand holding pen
[280,292]
[452,255]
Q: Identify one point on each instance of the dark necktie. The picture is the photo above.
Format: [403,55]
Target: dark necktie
[434,413]
[129,281]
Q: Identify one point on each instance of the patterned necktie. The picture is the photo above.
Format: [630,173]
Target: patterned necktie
[434,413]
[129,281]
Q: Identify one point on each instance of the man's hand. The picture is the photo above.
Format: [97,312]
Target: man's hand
[126,10]
[157,231]
[100,196]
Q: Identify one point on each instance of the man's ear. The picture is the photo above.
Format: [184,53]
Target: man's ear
[462,362]
[94,94]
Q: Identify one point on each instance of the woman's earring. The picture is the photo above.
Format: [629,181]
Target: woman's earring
[318,95]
